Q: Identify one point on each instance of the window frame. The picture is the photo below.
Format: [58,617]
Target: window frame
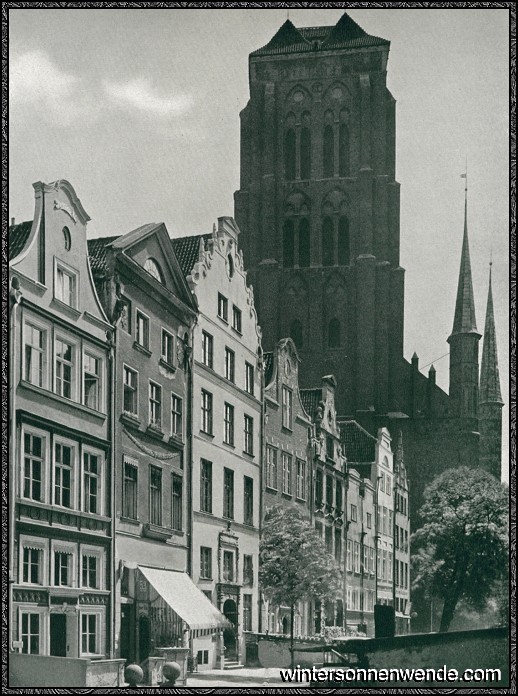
[287,407]
[91,451]
[206,493]
[140,314]
[154,422]
[207,349]
[237,319]
[74,447]
[207,412]
[176,507]
[228,424]
[46,458]
[176,415]
[132,464]
[248,441]
[228,493]
[272,465]
[88,351]
[206,562]
[287,473]
[98,632]
[248,501]
[68,548]
[41,545]
[72,273]
[249,378]
[30,322]
[301,479]
[230,365]
[223,307]
[131,370]
[229,577]
[248,604]
[41,612]
[63,337]
[160,496]
[92,552]
[171,342]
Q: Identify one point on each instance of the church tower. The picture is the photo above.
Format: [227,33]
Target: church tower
[318,208]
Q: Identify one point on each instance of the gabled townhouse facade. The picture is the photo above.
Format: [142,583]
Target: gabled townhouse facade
[227,437]
[60,458]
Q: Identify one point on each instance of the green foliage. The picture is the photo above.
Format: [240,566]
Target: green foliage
[293,561]
[462,548]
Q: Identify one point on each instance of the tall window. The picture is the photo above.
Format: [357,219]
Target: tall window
[66,287]
[333,335]
[248,517]
[92,382]
[271,467]
[328,251]
[304,243]
[89,642]
[329,152]
[205,562]
[167,352]
[222,307]
[247,612]
[338,545]
[207,348]
[206,412]
[236,318]
[62,475]
[130,491]
[301,479]
[230,365]
[130,404]
[90,571]
[155,405]
[32,568]
[344,252]
[142,330]
[30,633]
[155,495]
[249,378]
[91,483]
[296,333]
[248,570]
[286,473]
[33,467]
[329,491]
[177,497]
[62,569]
[249,435]
[228,493]
[338,496]
[206,486]
[343,150]
[354,513]
[228,566]
[287,408]
[305,153]
[328,537]
[289,155]
[176,416]
[288,244]
[229,425]
[35,356]
[319,487]
[64,368]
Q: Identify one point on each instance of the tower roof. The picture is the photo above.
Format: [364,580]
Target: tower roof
[465,321]
[346,34]
[489,375]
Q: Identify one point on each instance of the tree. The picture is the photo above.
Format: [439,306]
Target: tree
[462,548]
[294,564]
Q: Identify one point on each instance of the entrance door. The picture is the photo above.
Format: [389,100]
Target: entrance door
[143,638]
[230,634]
[58,635]
[126,632]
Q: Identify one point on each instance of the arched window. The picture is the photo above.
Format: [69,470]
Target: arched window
[296,333]
[304,243]
[305,153]
[343,149]
[329,152]
[328,255]
[288,244]
[152,267]
[289,154]
[333,334]
[343,242]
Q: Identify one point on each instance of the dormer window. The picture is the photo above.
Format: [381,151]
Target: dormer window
[152,267]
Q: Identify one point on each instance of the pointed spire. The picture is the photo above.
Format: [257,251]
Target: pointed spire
[345,29]
[489,375]
[465,321]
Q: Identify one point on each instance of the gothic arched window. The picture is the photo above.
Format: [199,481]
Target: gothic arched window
[296,333]
[288,244]
[328,256]
[344,252]
[333,334]
[289,154]
[329,152]
[304,243]
[343,149]
[305,153]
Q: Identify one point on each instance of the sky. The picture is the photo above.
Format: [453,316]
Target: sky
[139,110]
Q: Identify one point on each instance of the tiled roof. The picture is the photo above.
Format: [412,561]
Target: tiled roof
[268,367]
[17,237]
[187,250]
[310,399]
[358,445]
[97,252]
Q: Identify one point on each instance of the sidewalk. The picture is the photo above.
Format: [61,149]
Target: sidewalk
[260,676]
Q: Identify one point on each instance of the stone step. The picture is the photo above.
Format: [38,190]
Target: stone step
[233,664]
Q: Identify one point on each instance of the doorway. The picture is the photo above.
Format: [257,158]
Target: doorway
[127,633]
[143,638]
[58,635]
[230,634]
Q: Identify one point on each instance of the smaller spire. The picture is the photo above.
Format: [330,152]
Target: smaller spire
[432,369]
[489,374]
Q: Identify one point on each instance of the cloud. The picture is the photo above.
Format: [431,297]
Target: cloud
[139,94]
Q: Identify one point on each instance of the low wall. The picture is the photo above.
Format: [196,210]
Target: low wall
[274,651]
[43,671]
[105,673]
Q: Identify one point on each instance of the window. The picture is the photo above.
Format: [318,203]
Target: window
[130,490]
[333,334]
[296,333]
[382,482]
[356,557]
[152,267]
[329,491]
[338,545]
[222,307]
[155,495]
[90,575]
[247,612]
[354,513]
[287,408]
[301,479]
[92,382]
[91,483]
[32,566]
[30,633]
[328,251]
[62,569]
[63,460]
[343,149]
[319,487]
[349,555]
[228,493]
[338,496]
[229,425]
[89,634]
[167,352]
[130,398]
[305,153]
[388,486]
[371,561]
[344,252]
[328,536]
[205,562]
[249,435]
[236,319]
[248,503]
[288,244]
[35,356]
[385,521]
[249,378]
[207,349]
[155,405]
[202,656]
[369,520]
[271,467]
[176,416]
[329,152]
[66,287]
[230,364]
[33,467]
[64,368]
[206,412]
[125,314]
[286,473]
[304,243]
[176,503]
[206,486]
[248,570]
[289,154]
[142,330]
[228,566]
